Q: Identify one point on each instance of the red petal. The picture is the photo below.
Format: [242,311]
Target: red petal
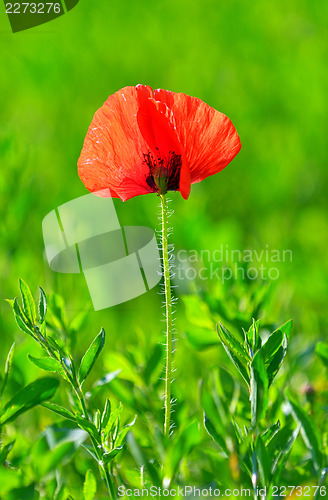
[185,180]
[208,137]
[112,154]
[156,123]
[157,129]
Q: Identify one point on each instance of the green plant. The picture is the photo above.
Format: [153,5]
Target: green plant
[237,417]
[33,394]
[102,427]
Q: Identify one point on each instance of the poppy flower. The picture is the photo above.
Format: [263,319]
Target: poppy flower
[143,141]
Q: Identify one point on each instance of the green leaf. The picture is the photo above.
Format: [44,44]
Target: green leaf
[271,346]
[271,432]
[28,302]
[201,338]
[97,420]
[91,452]
[214,408]
[88,427]
[7,368]
[10,302]
[105,414]
[141,461]
[232,343]
[281,445]
[56,306]
[50,460]
[33,394]
[280,439]
[308,431]
[275,349]
[21,319]
[123,432]
[153,362]
[101,384]
[113,420]
[90,486]
[69,364]
[238,431]
[322,351]
[286,328]
[60,493]
[10,479]
[78,321]
[42,305]
[181,445]
[240,367]
[5,450]
[263,460]
[276,361]
[109,457]
[55,345]
[211,430]
[253,336]
[258,389]
[60,410]
[49,365]
[91,356]
[198,312]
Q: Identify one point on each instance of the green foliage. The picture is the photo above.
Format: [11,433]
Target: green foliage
[35,393]
[28,302]
[103,429]
[322,351]
[91,356]
[241,422]
[90,486]
[7,369]
[261,448]
[309,433]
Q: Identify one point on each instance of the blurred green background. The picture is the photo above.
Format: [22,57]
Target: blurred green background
[261,63]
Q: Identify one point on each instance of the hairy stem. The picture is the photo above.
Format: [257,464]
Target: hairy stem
[168,315]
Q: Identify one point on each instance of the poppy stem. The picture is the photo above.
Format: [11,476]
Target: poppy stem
[168,316]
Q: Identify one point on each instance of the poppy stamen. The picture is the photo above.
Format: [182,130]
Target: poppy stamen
[164,173]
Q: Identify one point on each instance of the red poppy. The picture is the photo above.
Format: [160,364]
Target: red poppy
[143,141]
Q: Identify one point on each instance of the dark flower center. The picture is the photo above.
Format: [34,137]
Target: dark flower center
[164,173]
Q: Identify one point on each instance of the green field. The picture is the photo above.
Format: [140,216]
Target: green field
[264,65]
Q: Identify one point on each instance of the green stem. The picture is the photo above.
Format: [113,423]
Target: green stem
[109,482]
[98,448]
[254,470]
[168,315]
[254,429]
[97,445]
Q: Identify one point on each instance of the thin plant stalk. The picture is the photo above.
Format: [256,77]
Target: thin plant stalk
[168,316]
[254,470]
[98,448]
